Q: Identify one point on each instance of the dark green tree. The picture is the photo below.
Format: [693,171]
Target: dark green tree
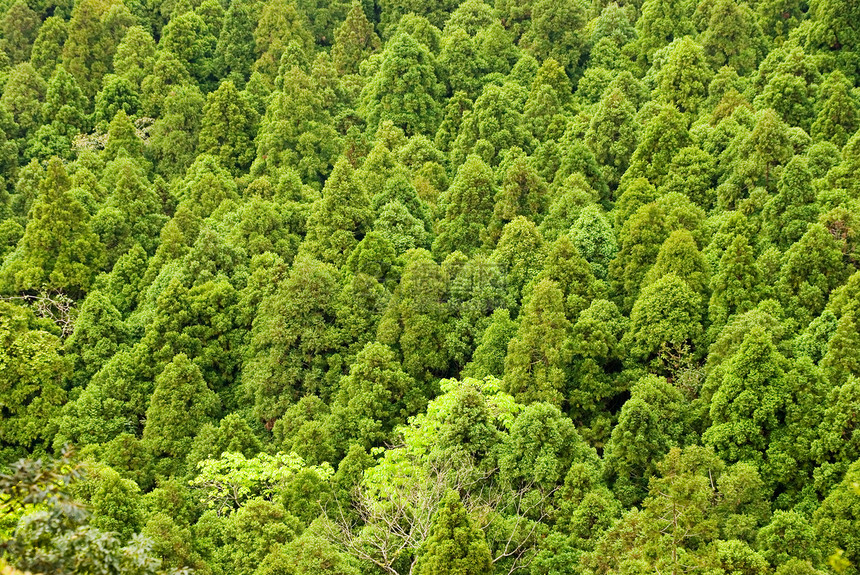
[228,127]
[404,89]
[455,544]
[340,219]
[536,365]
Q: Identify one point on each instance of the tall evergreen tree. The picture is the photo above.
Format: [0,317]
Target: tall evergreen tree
[455,544]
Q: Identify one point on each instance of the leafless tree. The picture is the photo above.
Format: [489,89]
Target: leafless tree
[389,529]
[53,305]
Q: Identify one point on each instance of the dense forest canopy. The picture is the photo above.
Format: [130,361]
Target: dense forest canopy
[402,287]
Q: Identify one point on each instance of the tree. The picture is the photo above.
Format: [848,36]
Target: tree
[468,207]
[47,49]
[354,41]
[376,396]
[18,30]
[537,359]
[734,286]
[523,193]
[192,43]
[732,37]
[832,30]
[612,135]
[404,89]
[180,404]
[59,250]
[746,407]
[340,219]
[228,127]
[281,25]
[22,97]
[293,335]
[679,255]
[651,422]
[416,320]
[666,317]
[660,24]
[683,76]
[556,32]
[235,51]
[520,255]
[455,544]
[135,56]
[663,136]
[31,385]
[839,116]
[95,30]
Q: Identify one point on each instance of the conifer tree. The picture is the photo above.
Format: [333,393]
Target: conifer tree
[665,318]
[734,286]
[31,384]
[291,340]
[18,30]
[180,404]
[235,51]
[537,361]
[612,135]
[47,49]
[22,97]
[747,405]
[684,76]
[228,127]
[354,41]
[95,30]
[468,206]
[839,116]
[405,88]
[340,219]
[416,321]
[455,544]
[58,250]
[281,24]
[135,56]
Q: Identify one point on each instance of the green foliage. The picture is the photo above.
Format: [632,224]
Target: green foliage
[455,544]
[555,287]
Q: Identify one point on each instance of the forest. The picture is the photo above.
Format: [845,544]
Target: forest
[430,287]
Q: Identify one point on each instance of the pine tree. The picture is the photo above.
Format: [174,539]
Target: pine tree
[455,545]
[354,41]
